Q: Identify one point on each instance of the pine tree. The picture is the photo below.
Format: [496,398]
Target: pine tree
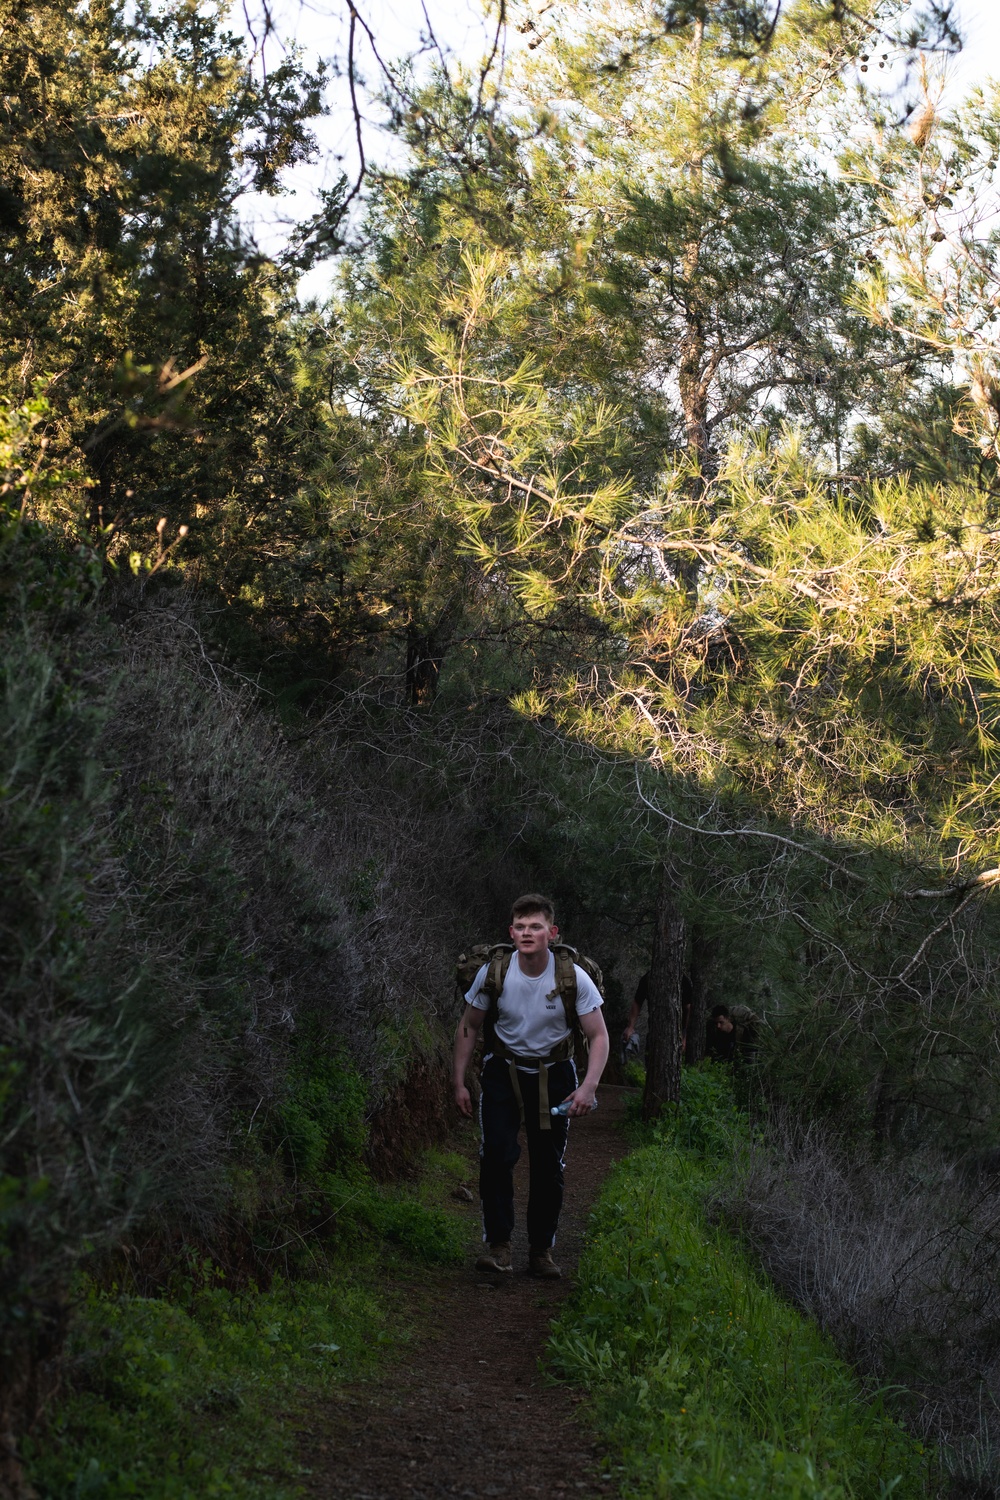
[723,237]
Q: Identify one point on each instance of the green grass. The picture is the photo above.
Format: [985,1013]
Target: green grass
[195,1394]
[171,1401]
[704,1382]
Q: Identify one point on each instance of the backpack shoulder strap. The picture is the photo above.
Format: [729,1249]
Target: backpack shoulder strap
[500,955]
[565,960]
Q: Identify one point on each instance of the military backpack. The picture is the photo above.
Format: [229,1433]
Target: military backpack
[497,957]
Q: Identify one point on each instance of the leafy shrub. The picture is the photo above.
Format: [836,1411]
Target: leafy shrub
[709,1120]
[74,1027]
[359,1210]
[321,1116]
[425,1234]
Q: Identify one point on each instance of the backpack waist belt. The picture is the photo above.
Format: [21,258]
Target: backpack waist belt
[560,1053]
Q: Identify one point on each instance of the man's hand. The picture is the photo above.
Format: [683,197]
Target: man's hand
[463,1099]
[581,1101]
[469,1028]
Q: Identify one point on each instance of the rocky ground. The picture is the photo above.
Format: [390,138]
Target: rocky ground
[468,1412]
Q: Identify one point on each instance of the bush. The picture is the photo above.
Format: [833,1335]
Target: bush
[74,1019]
[321,1115]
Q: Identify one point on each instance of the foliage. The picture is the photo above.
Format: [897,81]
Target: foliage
[425,1233]
[718,245]
[206,1376]
[321,1114]
[526,305]
[937,280]
[703,1381]
[213,1374]
[132,295]
[320,1120]
[71,1019]
[170,912]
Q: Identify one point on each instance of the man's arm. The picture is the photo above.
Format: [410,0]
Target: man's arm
[594,1029]
[639,1000]
[469,1028]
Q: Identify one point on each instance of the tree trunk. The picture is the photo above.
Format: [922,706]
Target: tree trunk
[883,1105]
[700,971]
[423,667]
[691,368]
[663,1023]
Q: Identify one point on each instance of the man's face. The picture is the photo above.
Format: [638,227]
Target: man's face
[532,932]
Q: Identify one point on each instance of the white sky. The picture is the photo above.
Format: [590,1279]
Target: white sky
[401,27]
[980,56]
[319,28]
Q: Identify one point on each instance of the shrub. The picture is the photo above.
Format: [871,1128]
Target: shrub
[321,1115]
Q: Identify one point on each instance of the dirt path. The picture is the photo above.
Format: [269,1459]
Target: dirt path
[470,1414]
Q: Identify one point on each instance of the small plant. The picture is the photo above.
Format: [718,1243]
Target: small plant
[360,1210]
[321,1118]
[424,1234]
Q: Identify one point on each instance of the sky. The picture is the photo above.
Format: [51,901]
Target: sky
[980,56]
[319,28]
[401,27]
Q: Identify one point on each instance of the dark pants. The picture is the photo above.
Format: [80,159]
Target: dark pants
[500,1120]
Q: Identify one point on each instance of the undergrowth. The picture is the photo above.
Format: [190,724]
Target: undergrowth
[705,1383]
[192,1395]
[176,1399]
[896,1254]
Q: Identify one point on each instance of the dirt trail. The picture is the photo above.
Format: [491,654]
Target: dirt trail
[470,1415]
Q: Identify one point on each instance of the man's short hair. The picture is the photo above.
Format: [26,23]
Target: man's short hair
[525,906]
[720,1010]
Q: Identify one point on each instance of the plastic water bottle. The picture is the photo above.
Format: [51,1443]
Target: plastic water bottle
[563,1108]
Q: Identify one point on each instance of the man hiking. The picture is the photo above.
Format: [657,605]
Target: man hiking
[528,1069]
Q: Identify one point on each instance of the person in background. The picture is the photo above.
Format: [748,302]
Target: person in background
[720,1034]
[631,1042]
[630,1036]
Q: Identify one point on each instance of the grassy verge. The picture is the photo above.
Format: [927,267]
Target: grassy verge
[704,1383]
[193,1395]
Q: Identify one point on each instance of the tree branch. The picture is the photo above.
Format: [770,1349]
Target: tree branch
[734,833]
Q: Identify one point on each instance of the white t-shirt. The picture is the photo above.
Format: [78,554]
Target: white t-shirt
[532,1018]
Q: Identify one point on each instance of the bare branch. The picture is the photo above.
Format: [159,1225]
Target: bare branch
[981,882]
[735,833]
[945,922]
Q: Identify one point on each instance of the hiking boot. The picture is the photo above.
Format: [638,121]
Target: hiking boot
[495,1258]
[540,1263]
